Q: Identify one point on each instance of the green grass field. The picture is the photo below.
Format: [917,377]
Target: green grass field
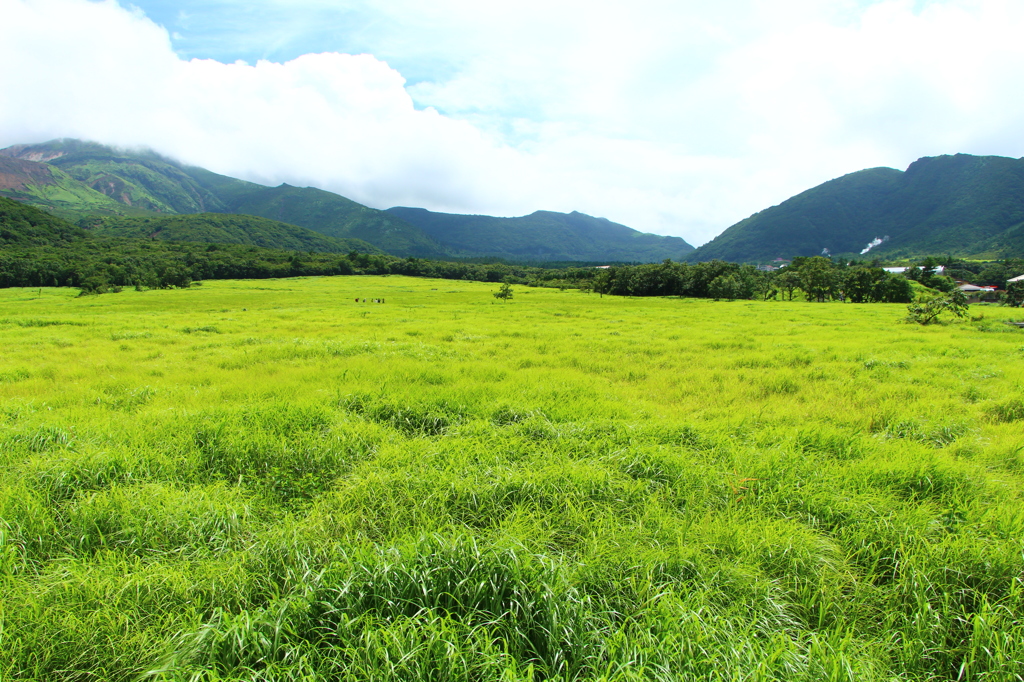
[268,481]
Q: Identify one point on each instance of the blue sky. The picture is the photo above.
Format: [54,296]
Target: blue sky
[674,117]
[280,32]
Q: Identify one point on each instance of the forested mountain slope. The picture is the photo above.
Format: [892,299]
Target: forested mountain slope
[85,179]
[24,225]
[543,235]
[140,179]
[335,216]
[99,180]
[50,188]
[961,205]
[220,228]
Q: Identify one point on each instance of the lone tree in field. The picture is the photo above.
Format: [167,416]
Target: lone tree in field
[928,311]
[504,293]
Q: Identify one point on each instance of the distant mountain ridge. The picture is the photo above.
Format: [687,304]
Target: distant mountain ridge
[961,205]
[76,179]
[543,235]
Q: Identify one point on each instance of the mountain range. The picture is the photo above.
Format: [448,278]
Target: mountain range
[960,205]
[544,236]
[117,191]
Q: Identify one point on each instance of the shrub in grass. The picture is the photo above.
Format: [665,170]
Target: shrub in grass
[43,438]
[291,452]
[425,417]
[777,385]
[506,415]
[920,478]
[928,310]
[18,374]
[392,605]
[937,434]
[1007,411]
[654,464]
[109,618]
[153,518]
[60,476]
[27,529]
[125,398]
[830,443]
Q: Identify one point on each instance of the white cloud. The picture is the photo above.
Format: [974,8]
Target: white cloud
[671,117]
[337,121]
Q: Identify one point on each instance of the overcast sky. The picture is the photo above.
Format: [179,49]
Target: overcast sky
[676,117]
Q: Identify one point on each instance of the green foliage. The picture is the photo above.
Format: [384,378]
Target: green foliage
[98,263]
[99,180]
[928,310]
[50,188]
[219,228]
[830,216]
[140,179]
[818,278]
[24,225]
[542,236]
[102,263]
[108,181]
[337,217]
[727,287]
[866,284]
[1014,294]
[968,206]
[504,293]
[677,279]
[788,281]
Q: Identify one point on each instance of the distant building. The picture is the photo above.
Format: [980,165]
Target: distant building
[939,270]
[976,294]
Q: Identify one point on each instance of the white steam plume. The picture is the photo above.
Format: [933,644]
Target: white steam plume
[875,242]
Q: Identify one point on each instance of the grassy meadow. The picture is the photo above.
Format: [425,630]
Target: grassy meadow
[269,481]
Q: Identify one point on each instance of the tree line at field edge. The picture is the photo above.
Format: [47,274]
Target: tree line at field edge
[37,250]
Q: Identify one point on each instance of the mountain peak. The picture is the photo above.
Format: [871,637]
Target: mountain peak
[961,205]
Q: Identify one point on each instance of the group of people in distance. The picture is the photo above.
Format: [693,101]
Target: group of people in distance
[372,300]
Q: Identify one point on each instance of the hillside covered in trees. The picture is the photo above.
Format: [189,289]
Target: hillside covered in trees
[40,250]
[77,180]
[221,228]
[962,205]
[543,235]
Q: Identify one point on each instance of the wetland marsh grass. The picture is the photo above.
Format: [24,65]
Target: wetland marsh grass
[237,482]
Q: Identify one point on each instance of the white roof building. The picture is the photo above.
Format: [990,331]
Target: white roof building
[939,270]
